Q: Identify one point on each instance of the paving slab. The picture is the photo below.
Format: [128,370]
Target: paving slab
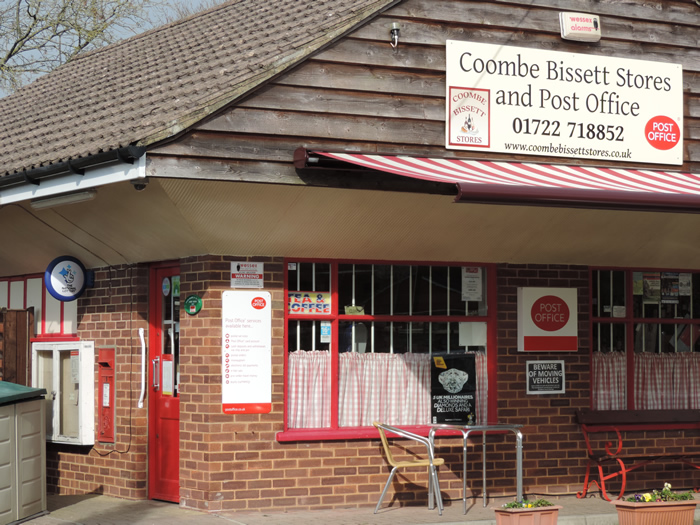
[104,510]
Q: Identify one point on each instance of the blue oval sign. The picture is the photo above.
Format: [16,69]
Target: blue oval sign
[65,278]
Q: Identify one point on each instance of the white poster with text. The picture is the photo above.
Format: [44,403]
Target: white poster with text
[246,352]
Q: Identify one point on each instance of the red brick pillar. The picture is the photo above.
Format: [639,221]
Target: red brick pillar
[222,455]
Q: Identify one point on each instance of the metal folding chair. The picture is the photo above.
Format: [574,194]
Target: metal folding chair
[431,462]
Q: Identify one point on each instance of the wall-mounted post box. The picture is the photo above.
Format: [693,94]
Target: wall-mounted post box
[106,395]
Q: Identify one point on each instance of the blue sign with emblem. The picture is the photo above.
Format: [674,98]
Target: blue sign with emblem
[65,278]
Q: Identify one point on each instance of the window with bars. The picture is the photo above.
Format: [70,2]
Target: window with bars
[360,338]
[645,328]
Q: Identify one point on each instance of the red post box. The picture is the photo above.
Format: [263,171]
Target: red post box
[106,395]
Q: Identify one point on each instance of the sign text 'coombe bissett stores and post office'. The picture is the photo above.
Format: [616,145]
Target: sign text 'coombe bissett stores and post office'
[535,102]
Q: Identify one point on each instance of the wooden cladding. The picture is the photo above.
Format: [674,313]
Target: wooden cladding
[16,330]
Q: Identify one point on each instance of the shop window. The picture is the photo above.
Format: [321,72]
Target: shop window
[66,371]
[360,339]
[645,330]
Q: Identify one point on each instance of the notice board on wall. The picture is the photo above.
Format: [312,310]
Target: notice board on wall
[546,377]
[453,388]
[246,352]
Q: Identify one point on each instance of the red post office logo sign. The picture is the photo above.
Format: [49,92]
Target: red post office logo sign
[547,320]
[550,313]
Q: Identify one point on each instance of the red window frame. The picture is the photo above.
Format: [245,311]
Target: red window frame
[630,321]
[340,433]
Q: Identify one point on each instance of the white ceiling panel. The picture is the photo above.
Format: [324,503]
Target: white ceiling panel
[175,218]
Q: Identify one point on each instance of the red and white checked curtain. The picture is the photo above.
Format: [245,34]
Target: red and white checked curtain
[609,380]
[667,381]
[309,389]
[392,388]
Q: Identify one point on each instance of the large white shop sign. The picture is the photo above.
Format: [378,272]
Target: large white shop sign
[533,102]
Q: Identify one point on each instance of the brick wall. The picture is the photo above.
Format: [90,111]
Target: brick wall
[235,463]
[111,314]
[553,449]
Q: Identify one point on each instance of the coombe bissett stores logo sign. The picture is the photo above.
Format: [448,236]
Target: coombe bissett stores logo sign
[469,117]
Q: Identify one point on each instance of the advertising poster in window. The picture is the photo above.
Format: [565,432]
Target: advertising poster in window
[309,303]
[669,287]
[246,352]
[684,284]
[471,284]
[453,389]
[652,287]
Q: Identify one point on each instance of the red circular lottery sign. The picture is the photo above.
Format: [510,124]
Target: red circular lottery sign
[662,132]
[550,313]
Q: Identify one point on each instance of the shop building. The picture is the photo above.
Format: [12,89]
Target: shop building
[326,191]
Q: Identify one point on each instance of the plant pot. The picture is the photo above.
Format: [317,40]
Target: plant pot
[532,516]
[656,512]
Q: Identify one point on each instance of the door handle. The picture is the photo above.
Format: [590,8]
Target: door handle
[156,373]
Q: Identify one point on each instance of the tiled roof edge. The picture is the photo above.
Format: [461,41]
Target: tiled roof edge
[212,106]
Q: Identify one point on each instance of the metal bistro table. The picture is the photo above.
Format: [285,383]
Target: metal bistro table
[484,429]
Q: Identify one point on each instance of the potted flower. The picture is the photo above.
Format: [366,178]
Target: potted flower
[536,512]
[657,507]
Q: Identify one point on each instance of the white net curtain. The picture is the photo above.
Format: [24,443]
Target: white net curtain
[309,389]
[666,381]
[392,388]
[609,380]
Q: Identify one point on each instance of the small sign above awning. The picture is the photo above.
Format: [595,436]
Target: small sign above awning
[543,184]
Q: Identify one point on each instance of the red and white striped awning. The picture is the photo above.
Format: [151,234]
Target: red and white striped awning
[544,184]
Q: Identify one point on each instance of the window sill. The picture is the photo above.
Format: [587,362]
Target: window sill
[640,419]
[342,434]
[335,434]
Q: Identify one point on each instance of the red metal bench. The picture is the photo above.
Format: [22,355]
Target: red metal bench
[613,424]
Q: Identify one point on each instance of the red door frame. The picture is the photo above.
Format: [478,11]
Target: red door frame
[163,410]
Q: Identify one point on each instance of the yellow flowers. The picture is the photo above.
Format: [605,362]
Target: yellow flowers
[525,504]
[665,494]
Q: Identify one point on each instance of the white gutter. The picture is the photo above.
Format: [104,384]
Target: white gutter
[92,178]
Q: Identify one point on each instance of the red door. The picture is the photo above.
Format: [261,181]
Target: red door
[163,399]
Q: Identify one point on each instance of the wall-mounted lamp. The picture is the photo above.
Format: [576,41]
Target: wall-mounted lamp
[394,31]
[65,198]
